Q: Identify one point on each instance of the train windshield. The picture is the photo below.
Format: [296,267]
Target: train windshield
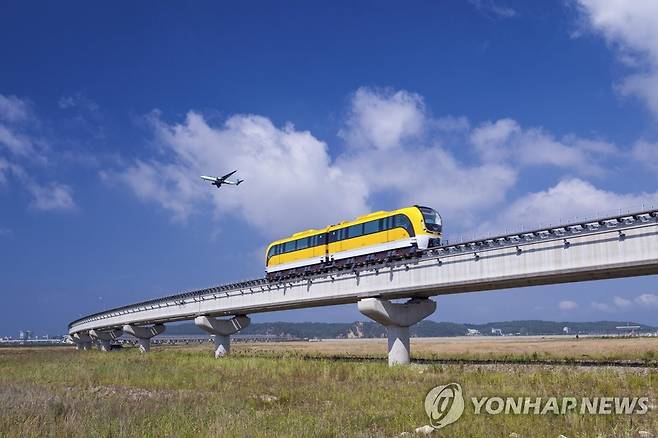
[432,219]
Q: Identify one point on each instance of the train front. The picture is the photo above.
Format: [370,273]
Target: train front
[432,228]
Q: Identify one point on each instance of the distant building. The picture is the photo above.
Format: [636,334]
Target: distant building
[566,330]
[473,332]
[496,332]
[25,335]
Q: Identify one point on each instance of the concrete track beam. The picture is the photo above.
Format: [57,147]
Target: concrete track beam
[397,318]
[144,334]
[222,329]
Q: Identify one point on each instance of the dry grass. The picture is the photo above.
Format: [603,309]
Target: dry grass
[186,392]
[556,347]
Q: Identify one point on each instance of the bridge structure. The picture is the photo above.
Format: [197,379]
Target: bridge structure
[625,245]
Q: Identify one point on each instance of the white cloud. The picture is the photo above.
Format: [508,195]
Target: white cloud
[164,183]
[78,100]
[17,135]
[52,196]
[622,303]
[288,170]
[602,307]
[66,102]
[46,195]
[13,109]
[492,9]
[631,26]
[647,300]
[384,119]
[396,151]
[645,86]
[490,138]
[570,199]
[568,305]
[450,124]
[21,149]
[431,176]
[15,142]
[290,180]
[4,169]
[646,153]
[505,140]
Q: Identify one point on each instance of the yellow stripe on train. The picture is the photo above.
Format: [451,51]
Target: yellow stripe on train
[374,233]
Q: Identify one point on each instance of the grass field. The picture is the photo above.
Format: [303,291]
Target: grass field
[264,390]
[507,347]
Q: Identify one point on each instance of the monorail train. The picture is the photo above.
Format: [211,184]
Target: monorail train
[370,238]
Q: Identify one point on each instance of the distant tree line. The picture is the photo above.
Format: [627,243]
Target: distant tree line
[368,329]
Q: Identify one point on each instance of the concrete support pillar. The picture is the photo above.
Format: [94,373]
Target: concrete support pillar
[103,345]
[144,334]
[222,329]
[399,351]
[397,318]
[222,345]
[82,341]
[103,338]
[144,345]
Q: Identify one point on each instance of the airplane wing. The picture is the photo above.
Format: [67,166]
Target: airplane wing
[223,178]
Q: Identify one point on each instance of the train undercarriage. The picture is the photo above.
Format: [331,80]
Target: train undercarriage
[347,264]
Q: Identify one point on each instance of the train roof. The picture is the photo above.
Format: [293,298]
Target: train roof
[363,218]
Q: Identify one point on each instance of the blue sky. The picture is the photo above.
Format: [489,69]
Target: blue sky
[497,113]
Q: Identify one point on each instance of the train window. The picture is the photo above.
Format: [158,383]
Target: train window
[322,239]
[355,231]
[432,219]
[371,227]
[290,246]
[338,235]
[271,252]
[302,243]
[402,221]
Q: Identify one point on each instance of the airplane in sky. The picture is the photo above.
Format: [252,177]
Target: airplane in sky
[218,181]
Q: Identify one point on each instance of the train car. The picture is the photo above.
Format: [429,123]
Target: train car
[370,238]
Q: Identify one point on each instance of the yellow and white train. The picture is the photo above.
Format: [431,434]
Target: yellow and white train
[372,237]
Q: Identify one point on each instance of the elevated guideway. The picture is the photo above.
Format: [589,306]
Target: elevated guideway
[611,247]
